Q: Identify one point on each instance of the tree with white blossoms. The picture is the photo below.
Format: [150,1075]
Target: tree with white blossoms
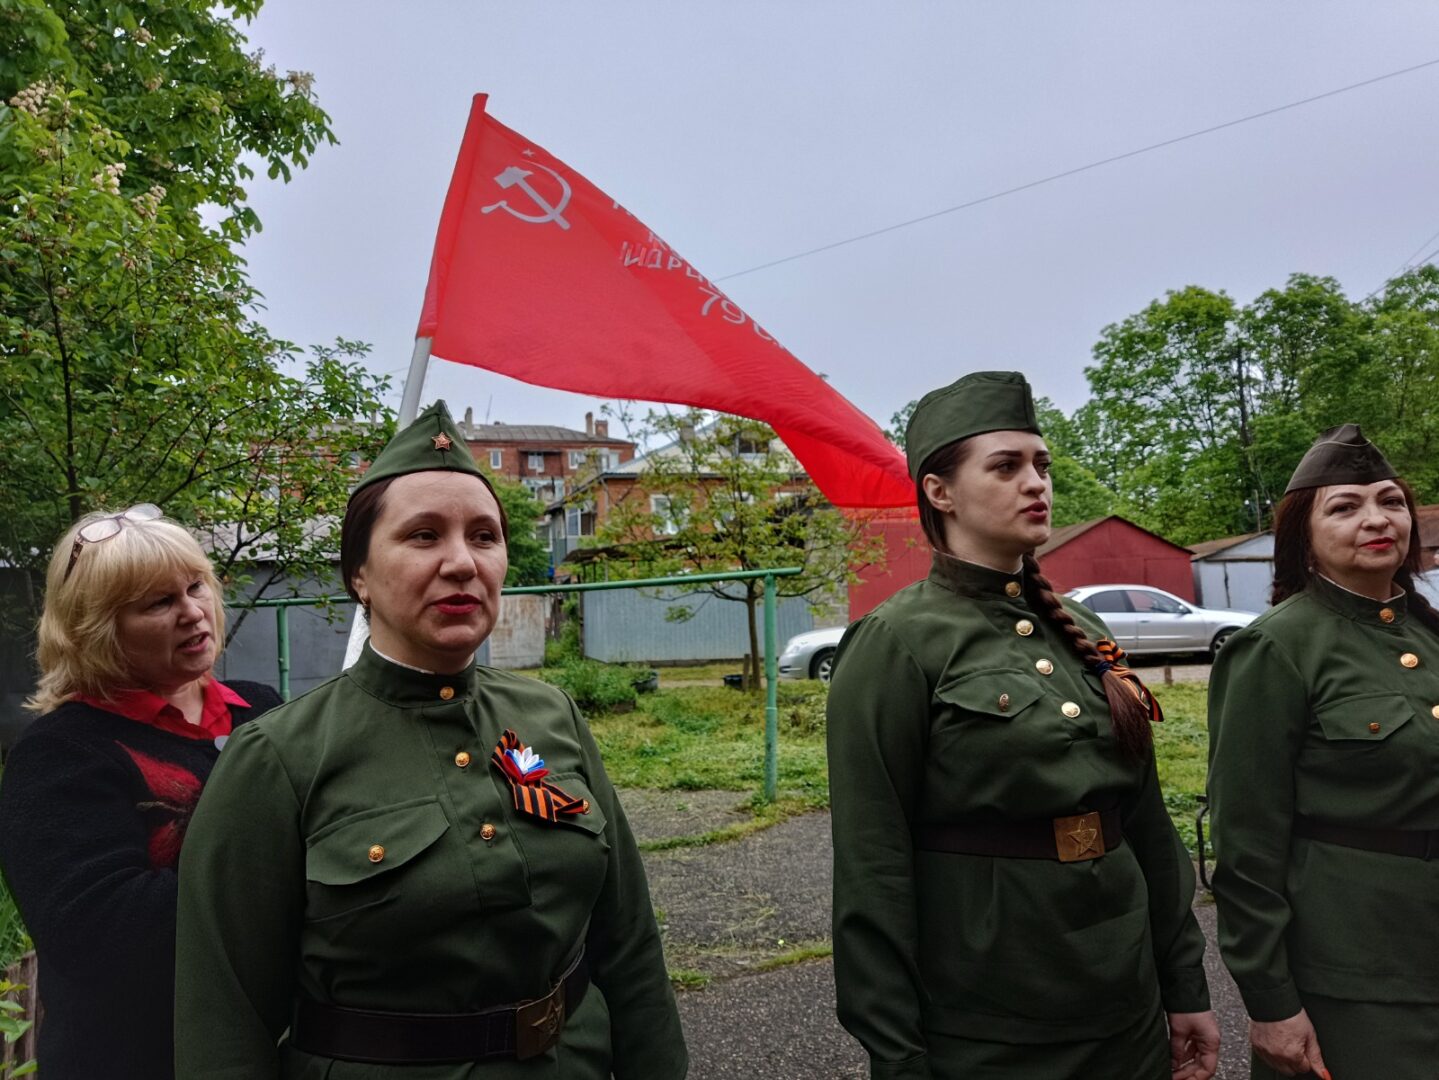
[132,364]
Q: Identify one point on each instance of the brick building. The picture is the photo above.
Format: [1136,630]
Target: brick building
[547,459]
[584,508]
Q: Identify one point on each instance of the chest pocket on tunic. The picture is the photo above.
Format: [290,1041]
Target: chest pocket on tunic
[995,695]
[1349,723]
[570,853]
[371,858]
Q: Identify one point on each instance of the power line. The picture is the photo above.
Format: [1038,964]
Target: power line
[1079,169]
[1407,265]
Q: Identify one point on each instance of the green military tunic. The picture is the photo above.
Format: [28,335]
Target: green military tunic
[1327,706]
[360,847]
[954,701]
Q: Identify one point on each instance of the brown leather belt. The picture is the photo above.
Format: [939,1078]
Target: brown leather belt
[1414,843]
[1074,838]
[509,1032]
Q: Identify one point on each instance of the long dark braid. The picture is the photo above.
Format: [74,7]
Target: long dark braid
[1130,715]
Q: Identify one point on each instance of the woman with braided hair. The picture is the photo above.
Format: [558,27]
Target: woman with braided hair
[1010,896]
[1324,783]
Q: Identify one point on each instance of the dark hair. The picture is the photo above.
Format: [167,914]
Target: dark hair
[1128,714]
[361,513]
[942,463]
[1294,551]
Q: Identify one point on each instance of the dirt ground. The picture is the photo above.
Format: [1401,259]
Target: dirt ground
[748,922]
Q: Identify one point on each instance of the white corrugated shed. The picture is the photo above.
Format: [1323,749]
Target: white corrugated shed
[1236,572]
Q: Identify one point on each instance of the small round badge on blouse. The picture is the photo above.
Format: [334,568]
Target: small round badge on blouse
[220,741]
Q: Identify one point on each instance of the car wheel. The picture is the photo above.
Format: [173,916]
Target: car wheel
[1219,640]
[822,666]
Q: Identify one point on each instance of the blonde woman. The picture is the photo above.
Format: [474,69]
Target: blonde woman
[98,792]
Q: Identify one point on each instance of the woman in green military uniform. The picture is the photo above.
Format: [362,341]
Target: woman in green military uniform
[419,869]
[1324,783]
[1010,896]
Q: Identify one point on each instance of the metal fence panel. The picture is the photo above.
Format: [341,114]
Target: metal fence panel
[632,625]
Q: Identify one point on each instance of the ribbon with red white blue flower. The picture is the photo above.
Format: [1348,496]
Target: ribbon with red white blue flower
[533,794]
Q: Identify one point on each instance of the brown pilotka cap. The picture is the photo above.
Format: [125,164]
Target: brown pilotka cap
[1341,455]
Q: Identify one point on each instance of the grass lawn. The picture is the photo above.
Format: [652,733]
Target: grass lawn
[698,737]
[702,737]
[677,673]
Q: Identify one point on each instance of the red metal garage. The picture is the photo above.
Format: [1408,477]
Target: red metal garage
[1111,549]
[1105,550]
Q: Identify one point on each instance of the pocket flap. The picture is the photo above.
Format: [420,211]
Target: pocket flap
[998,692]
[372,842]
[1365,717]
[574,784]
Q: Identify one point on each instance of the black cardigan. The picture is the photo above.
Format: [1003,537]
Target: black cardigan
[93,808]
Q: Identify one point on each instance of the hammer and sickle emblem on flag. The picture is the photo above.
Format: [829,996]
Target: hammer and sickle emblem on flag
[515,176]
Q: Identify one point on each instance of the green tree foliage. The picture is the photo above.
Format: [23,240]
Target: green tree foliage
[529,557]
[132,367]
[731,497]
[1201,408]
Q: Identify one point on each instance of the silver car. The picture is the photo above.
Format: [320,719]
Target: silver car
[810,655]
[1149,620]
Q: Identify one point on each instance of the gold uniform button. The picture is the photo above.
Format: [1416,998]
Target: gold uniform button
[1070,709]
[1409,660]
[462,759]
[1044,667]
[1024,628]
[1434,712]
[1374,729]
[377,852]
[1004,704]
[1011,588]
[446,692]
[1386,614]
[487,831]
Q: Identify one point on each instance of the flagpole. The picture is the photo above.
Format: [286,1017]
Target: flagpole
[414,382]
[409,409]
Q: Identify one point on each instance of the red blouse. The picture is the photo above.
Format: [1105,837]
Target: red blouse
[147,707]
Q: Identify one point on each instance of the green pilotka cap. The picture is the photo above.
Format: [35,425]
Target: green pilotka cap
[431,442]
[1342,455]
[981,401]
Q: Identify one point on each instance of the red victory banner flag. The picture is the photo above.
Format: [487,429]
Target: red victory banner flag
[539,275]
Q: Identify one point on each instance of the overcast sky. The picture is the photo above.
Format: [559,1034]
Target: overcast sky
[749,130]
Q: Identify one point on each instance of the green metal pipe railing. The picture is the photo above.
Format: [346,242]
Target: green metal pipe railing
[283,604]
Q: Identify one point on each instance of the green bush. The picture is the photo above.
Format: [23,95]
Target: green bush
[14,942]
[565,647]
[596,687]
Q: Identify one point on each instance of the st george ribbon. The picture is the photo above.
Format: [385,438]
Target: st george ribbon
[539,275]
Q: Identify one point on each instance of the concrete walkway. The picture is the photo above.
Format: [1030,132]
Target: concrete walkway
[740,917]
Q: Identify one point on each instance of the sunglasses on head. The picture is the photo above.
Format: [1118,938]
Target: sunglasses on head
[108,526]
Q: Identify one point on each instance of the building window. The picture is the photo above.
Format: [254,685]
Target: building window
[497,459]
[667,516]
[577,458]
[536,463]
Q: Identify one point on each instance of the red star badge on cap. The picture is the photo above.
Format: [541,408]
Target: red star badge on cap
[442,441]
